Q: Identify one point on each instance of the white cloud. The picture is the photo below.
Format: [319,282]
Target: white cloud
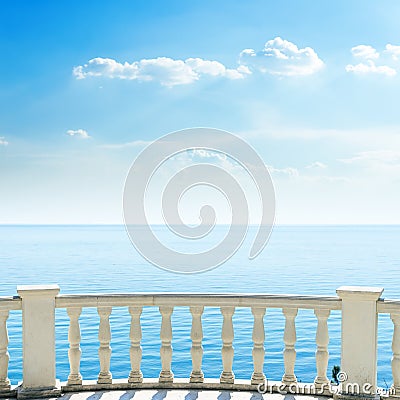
[135,143]
[381,165]
[370,67]
[3,141]
[288,171]
[365,51]
[78,133]
[369,55]
[316,164]
[206,154]
[361,138]
[302,176]
[215,68]
[394,51]
[374,157]
[326,178]
[167,71]
[281,57]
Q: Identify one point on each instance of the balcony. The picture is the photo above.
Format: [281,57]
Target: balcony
[359,308]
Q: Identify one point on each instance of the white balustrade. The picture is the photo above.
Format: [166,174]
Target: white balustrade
[289,339]
[196,335]
[359,306]
[74,352]
[166,374]
[104,349]
[395,316]
[4,356]
[227,351]
[135,336]
[258,347]
[322,354]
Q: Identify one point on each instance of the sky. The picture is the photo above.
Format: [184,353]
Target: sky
[313,86]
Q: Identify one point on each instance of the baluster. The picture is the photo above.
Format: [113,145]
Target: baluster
[104,349]
[289,338]
[74,352]
[322,355]
[196,335]
[4,356]
[227,351]
[166,374]
[395,317]
[135,336]
[258,349]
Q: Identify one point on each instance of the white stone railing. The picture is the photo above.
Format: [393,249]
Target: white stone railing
[393,309]
[166,304]
[359,307]
[7,304]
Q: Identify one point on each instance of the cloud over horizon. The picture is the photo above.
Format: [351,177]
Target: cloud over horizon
[167,71]
[316,165]
[364,51]
[3,141]
[374,157]
[278,57]
[78,133]
[283,58]
[369,55]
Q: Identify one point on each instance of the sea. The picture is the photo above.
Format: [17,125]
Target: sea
[307,260]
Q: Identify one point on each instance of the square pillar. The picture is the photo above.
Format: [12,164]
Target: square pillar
[359,340]
[38,341]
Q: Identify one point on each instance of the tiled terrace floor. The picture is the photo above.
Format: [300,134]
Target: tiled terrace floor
[158,394]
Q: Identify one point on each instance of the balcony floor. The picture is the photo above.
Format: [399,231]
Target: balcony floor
[179,394]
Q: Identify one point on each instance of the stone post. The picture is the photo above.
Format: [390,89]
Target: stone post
[38,341]
[359,341]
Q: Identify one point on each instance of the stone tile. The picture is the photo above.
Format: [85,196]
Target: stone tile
[160,394]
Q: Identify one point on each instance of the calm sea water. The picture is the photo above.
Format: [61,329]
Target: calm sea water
[297,260]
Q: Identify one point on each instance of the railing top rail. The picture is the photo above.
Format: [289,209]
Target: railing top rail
[205,299]
[388,306]
[10,303]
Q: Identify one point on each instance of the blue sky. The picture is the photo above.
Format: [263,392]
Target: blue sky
[313,86]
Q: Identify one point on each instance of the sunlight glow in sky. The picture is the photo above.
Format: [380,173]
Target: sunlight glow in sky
[312,86]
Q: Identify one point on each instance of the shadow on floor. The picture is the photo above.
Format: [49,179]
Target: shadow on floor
[177,394]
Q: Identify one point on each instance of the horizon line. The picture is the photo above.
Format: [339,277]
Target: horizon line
[256,225]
